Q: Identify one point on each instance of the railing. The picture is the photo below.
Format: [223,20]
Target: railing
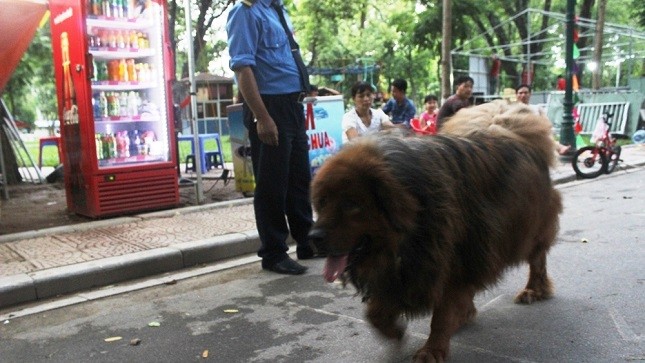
[590,113]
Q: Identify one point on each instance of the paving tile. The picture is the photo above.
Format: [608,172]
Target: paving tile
[8,255]
[59,259]
[110,249]
[11,268]
[41,247]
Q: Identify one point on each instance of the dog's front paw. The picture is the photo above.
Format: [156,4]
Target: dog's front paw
[528,296]
[394,331]
[429,355]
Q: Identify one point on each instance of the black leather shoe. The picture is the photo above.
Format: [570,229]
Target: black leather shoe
[307,253]
[286,266]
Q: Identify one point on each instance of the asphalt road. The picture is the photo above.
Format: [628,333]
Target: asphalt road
[245,315]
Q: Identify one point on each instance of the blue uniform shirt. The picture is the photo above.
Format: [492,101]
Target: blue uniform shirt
[400,113]
[257,39]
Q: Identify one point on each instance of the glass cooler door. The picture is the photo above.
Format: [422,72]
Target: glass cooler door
[125,41]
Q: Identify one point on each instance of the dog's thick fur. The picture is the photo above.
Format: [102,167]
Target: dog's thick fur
[420,224]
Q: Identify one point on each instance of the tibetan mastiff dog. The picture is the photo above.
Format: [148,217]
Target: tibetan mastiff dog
[420,224]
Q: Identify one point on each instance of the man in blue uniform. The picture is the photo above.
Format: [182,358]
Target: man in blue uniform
[272,86]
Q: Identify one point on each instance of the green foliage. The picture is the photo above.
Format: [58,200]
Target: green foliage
[31,87]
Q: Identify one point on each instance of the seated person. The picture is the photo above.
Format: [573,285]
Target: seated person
[363,119]
[459,100]
[400,108]
[429,115]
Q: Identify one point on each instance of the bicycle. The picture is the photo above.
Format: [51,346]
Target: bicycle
[601,158]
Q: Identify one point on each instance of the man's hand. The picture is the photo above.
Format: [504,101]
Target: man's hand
[265,126]
[267,131]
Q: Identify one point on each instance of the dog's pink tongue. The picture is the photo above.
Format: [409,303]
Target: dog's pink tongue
[334,267]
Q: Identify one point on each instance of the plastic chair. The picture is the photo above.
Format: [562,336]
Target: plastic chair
[49,141]
[415,123]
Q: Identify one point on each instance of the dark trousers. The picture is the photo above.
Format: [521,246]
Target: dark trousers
[282,178]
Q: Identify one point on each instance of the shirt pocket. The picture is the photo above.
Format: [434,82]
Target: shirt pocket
[276,43]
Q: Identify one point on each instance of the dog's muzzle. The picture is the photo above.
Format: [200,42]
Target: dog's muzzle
[317,238]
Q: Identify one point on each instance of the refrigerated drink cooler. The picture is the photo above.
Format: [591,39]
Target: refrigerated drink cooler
[113,68]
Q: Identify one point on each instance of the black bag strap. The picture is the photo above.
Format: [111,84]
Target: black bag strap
[295,49]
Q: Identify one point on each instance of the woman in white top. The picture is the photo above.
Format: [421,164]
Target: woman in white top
[363,119]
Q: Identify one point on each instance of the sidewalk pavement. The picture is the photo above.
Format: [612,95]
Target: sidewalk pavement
[45,263]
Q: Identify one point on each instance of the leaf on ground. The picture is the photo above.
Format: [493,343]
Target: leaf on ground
[112,339]
[154,324]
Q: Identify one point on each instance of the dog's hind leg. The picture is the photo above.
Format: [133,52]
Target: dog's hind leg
[539,286]
[455,309]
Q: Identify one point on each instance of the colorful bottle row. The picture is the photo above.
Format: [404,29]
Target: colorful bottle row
[117,9]
[123,144]
[118,39]
[123,70]
[116,104]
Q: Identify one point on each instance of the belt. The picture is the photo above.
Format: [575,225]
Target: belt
[293,97]
[297,96]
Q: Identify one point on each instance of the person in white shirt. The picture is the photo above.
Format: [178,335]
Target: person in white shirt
[363,119]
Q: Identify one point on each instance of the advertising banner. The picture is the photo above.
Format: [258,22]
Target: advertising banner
[324,116]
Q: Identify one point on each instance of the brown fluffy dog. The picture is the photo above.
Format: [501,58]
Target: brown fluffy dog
[420,224]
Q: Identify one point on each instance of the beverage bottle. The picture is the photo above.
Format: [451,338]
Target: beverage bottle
[103,71]
[134,142]
[126,9]
[123,104]
[111,145]
[118,141]
[137,68]
[112,39]
[134,40]
[103,38]
[114,7]
[95,106]
[99,146]
[145,72]
[97,38]
[107,9]
[95,70]
[141,40]
[113,104]
[146,40]
[120,40]
[113,70]
[123,72]
[132,74]
[132,104]
[96,7]
[103,105]
[126,140]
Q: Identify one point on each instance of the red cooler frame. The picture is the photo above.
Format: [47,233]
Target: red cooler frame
[125,161]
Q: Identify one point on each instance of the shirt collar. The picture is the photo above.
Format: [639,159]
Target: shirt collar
[268,3]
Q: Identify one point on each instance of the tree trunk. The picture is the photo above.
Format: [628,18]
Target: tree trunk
[446,44]
[585,13]
[597,47]
[10,162]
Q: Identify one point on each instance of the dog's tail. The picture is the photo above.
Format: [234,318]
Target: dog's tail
[500,117]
